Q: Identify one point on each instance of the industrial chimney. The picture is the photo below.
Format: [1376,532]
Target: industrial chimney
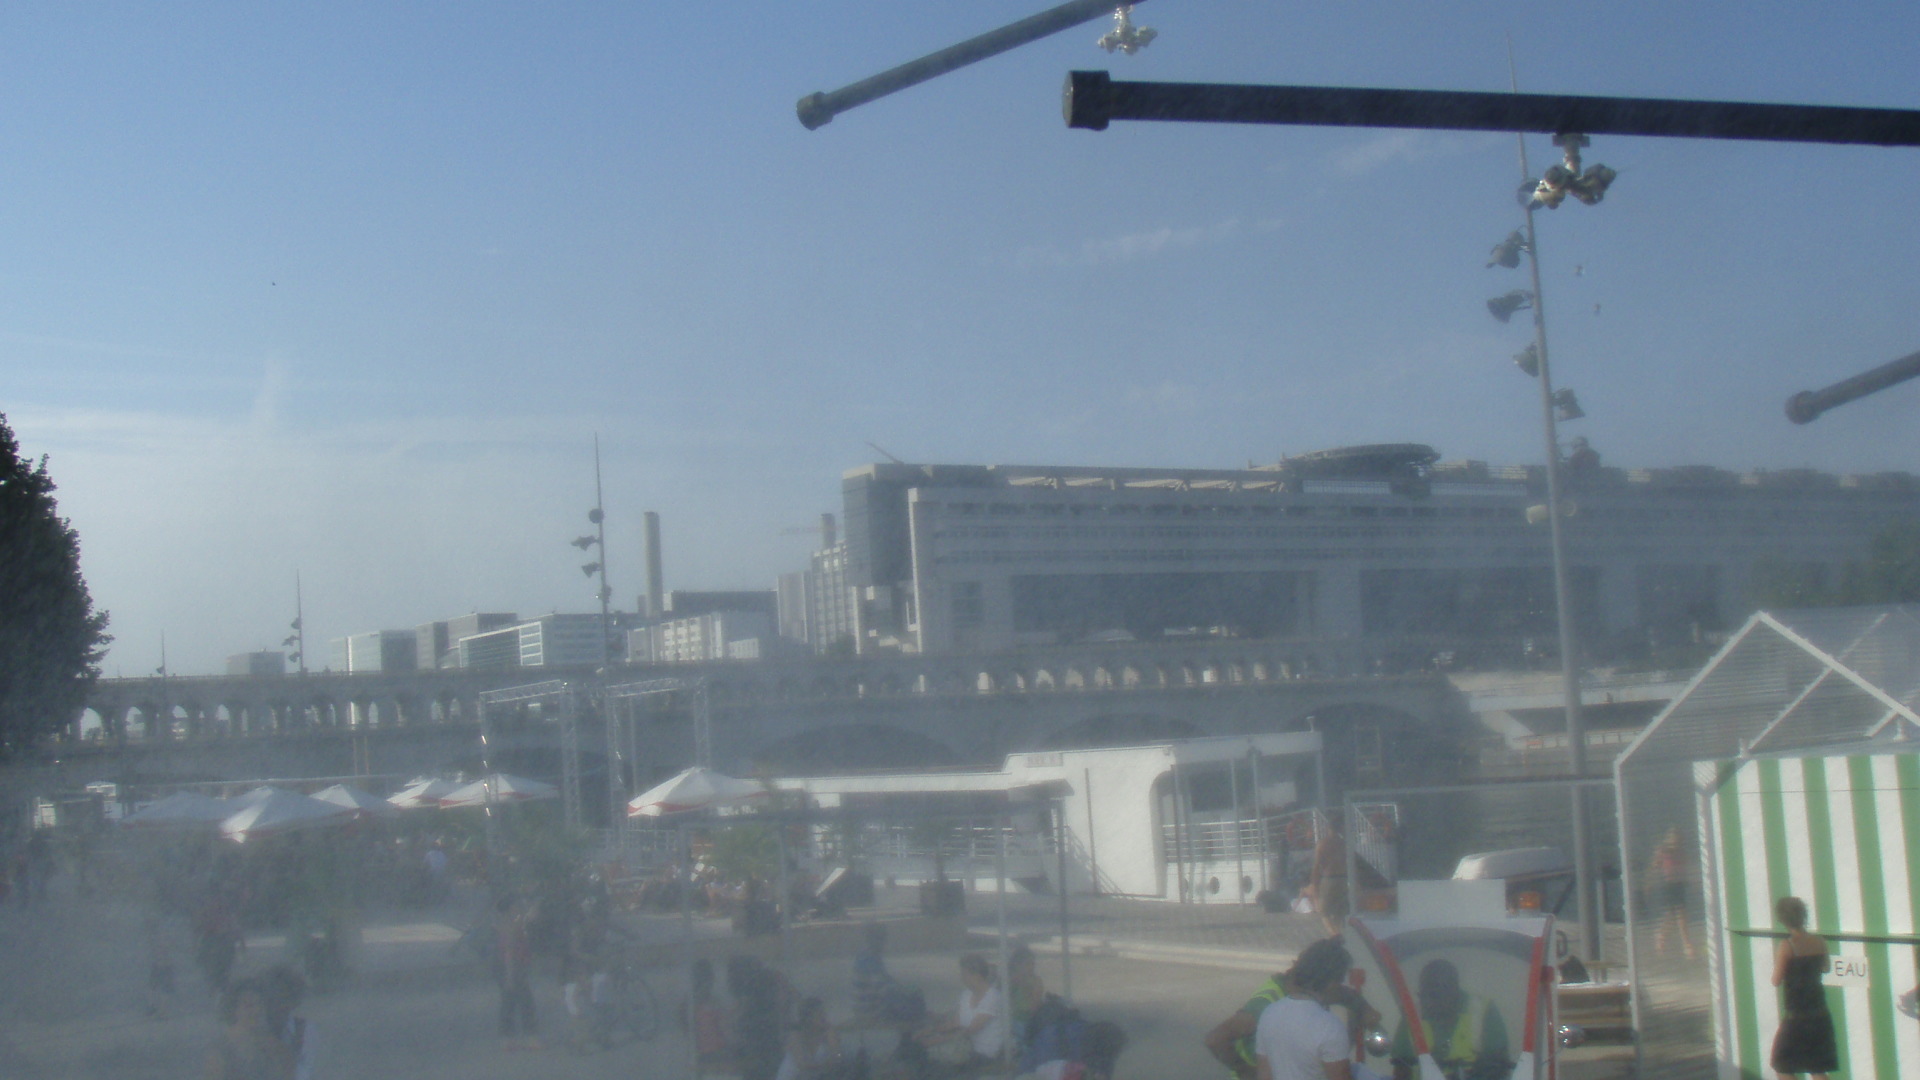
[656,600]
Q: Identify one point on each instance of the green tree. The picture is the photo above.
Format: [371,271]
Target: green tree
[51,638]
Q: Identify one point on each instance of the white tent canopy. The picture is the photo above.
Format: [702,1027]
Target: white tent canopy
[280,812]
[499,788]
[693,789]
[422,792]
[181,810]
[354,799]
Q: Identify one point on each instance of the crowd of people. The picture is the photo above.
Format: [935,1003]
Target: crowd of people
[766,1030]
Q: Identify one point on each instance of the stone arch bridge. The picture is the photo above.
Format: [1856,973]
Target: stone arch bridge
[789,715]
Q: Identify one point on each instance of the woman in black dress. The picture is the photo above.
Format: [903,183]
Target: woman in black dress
[1805,1042]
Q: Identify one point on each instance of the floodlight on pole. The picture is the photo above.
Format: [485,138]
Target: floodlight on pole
[1528,360]
[1566,406]
[1507,252]
[1503,307]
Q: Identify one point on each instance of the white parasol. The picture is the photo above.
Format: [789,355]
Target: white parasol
[180,810]
[504,789]
[354,799]
[426,791]
[282,811]
[693,789]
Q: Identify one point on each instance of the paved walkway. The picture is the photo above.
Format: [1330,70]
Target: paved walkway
[72,997]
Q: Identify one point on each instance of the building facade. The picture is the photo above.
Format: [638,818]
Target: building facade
[374,650]
[258,664]
[1370,542]
[715,635]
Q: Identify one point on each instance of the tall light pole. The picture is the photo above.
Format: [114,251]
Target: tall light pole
[298,639]
[616,783]
[1588,186]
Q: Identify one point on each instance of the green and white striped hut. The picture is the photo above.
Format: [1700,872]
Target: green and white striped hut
[1786,767]
[1837,831]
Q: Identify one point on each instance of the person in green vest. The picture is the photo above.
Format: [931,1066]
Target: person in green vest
[1466,1034]
[1231,1041]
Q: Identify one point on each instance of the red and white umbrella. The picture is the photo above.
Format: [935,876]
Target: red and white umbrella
[367,806]
[181,810]
[500,788]
[694,789]
[423,792]
[280,812]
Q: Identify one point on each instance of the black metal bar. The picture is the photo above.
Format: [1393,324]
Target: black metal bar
[1868,939]
[1093,99]
[1807,405]
[816,109]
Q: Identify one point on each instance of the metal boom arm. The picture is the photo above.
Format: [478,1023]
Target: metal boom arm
[817,108]
[1093,99]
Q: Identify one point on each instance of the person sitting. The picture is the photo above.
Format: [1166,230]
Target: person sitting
[1465,1034]
[813,1049]
[1026,992]
[1094,1055]
[759,1012]
[870,976]
[975,1036]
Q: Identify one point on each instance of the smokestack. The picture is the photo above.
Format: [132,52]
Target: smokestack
[656,601]
[827,536]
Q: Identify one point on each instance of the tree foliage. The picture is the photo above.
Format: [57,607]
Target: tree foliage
[1888,574]
[51,638]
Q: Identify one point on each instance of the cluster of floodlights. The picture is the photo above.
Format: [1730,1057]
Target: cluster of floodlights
[1589,185]
[1126,37]
[585,543]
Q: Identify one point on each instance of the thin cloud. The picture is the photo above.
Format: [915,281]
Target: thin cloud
[1130,246]
[1399,148]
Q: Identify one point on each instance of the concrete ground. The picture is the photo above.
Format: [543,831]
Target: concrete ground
[72,999]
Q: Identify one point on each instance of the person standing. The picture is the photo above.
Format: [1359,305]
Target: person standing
[284,989]
[1670,875]
[1231,1041]
[217,939]
[1328,884]
[1805,1041]
[513,967]
[1298,1037]
[247,1048]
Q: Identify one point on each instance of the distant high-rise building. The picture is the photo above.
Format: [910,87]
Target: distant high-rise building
[374,650]
[257,664]
[547,641]
[818,606]
[713,635]
[436,643]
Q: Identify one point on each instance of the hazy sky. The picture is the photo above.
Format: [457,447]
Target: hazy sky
[347,288]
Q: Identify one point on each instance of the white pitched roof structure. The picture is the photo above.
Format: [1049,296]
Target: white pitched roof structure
[1787,682]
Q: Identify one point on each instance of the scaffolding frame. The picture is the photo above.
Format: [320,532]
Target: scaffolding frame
[559,692]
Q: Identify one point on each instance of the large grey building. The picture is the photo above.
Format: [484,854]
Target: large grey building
[374,650]
[1377,542]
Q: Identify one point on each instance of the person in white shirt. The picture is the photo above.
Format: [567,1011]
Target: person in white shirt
[977,1032]
[1298,1037]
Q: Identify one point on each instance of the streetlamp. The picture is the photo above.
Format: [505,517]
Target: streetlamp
[297,640]
[616,784]
[1587,185]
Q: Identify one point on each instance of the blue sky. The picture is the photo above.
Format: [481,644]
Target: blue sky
[348,288]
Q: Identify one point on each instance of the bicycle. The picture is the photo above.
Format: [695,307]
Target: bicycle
[624,1010]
